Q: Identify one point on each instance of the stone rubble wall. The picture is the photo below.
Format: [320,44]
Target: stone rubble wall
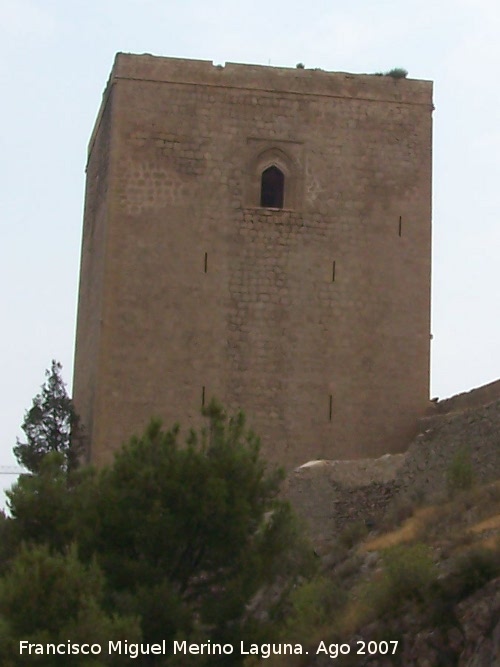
[331,495]
[466,400]
[427,462]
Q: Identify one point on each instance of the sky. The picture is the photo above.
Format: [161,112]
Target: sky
[54,63]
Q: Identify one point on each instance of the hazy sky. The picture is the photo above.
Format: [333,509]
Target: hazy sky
[55,59]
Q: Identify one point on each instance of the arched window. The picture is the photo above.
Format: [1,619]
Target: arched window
[272,189]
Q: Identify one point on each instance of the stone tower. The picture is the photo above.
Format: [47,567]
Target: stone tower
[261,235]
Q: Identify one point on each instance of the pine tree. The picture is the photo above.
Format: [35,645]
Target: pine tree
[48,425]
[191,537]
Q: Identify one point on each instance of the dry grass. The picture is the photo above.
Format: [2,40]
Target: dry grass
[410,531]
[492,523]
[459,538]
[490,542]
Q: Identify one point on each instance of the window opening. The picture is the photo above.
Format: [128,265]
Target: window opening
[272,189]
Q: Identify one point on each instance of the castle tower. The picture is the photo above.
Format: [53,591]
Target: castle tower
[261,235]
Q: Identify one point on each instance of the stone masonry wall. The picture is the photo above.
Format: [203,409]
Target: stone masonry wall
[307,317]
[92,273]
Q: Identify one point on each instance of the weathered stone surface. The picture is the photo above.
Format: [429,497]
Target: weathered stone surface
[329,495]
[313,318]
[466,400]
[480,620]
[475,431]
[332,494]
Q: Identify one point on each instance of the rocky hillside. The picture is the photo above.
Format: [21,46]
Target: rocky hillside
[409,547]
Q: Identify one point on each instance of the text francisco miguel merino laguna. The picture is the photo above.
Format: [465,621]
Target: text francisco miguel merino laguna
[134,650]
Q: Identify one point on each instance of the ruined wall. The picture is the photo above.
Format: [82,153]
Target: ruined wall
[469,399]
[313,318]
[475,431]
[332,495]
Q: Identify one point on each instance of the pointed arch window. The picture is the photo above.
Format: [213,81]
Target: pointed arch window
[272,189]
[274,176]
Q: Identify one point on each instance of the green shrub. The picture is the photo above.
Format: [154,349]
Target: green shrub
[353,533]
[409,574]
[471,570]
[314,604]
[460,473]
[397,73]
[47,597]
[409,571]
